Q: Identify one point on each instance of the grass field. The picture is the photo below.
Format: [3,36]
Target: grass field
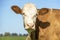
[13,38]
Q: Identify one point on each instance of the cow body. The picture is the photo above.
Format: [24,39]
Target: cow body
[51,32]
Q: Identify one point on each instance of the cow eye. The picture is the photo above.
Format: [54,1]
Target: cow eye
[24,14]
[35,15]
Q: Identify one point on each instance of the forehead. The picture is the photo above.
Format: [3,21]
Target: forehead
[29,9]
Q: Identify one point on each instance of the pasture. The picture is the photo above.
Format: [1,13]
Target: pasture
[13,38]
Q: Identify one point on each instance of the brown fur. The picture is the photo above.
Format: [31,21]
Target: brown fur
[51,32]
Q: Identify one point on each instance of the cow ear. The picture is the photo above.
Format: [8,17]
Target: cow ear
[16,9]
[43,11]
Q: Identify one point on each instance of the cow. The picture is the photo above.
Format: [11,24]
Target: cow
[41,24]
[29,12]
[48,24]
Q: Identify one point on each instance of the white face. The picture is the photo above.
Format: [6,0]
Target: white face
[29,16]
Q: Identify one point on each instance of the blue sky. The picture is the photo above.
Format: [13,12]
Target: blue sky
[11,22]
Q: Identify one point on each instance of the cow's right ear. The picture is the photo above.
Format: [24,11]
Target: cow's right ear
[16,9]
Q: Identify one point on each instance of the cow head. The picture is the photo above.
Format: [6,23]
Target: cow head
[29,13]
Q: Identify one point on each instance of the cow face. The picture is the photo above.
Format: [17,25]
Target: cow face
[29,12]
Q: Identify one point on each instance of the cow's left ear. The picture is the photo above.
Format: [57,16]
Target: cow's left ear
[43,11]
[16,9]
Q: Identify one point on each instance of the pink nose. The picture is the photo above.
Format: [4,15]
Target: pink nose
[30,25]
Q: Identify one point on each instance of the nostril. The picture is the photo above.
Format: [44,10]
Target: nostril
[30,25]
[27,24]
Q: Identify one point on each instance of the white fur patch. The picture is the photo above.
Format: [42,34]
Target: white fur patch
[29,16]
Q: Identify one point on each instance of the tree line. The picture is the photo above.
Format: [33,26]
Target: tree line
[12,34]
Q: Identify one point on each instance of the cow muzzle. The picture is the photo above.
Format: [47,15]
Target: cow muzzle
[30,27]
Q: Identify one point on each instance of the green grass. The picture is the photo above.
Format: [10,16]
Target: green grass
[13,38]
